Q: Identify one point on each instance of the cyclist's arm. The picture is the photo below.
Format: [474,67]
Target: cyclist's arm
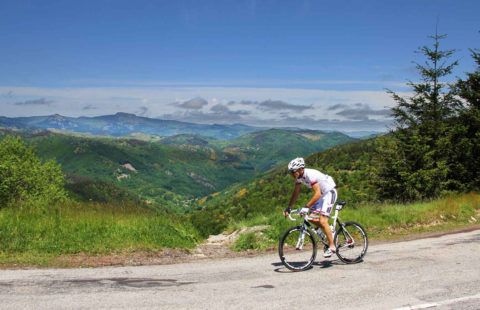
[317,193]
[296,192]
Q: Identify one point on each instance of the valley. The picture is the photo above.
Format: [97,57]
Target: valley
[167,172]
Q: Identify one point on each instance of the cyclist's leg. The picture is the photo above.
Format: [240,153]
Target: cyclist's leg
[325,205]
[327,230]
[315,213]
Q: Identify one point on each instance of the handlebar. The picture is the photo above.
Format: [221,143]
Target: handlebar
[338,206]
[297,211]
[290,216]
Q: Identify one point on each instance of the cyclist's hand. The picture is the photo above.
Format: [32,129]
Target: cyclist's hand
[287,211]
[305,210]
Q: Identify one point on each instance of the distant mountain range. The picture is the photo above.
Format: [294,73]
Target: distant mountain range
[124,124]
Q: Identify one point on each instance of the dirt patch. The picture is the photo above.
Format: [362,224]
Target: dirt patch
[215,247]
[227,239]
[139,258]
[168,256]
[425,235]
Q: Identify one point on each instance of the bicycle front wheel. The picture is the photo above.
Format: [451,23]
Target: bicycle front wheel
[297,248]
[352,242]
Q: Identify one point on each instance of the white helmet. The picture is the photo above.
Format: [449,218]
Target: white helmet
[296,164]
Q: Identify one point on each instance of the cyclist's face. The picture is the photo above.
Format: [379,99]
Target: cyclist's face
[295,174]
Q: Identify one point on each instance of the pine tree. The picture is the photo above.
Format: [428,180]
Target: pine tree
[421,132]
[464,162]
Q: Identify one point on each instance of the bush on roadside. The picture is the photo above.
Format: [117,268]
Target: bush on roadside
[25,181]
[247,241]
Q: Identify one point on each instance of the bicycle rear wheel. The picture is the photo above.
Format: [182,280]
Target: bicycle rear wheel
[297,248]
[352,242]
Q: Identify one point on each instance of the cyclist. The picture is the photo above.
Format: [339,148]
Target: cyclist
[322,201]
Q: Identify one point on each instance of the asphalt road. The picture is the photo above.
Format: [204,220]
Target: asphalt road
[435,273]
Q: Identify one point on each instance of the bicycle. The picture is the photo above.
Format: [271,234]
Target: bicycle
[298,245]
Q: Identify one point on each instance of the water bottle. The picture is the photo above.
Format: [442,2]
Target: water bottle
[320,233]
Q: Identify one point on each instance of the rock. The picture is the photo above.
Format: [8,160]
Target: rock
[223,239]
[129,166]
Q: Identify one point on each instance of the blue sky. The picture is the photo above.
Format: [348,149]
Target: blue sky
[317,64]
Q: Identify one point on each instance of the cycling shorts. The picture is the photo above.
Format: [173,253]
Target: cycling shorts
[324,205]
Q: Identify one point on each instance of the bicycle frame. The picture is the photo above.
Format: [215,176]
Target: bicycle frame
[306,224]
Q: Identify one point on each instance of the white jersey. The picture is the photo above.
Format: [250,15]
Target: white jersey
[311,177]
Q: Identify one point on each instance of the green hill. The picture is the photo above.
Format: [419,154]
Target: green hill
[159,174]
[172,171]
[350,165]
[265,149]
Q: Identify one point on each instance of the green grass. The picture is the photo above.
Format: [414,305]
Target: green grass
[34,237]
[37,237]
[247,241]
[381,221]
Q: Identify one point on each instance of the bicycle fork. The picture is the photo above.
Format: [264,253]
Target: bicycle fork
[301,239]
[350,242]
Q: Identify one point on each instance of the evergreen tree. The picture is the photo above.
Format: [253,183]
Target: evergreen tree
[464,162]
[421,132]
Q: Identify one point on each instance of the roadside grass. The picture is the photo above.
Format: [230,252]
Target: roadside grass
[381,221]
[248,241]
[39,236]
[30,236]
[393,221]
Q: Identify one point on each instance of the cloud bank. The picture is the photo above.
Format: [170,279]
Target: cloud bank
[306,108]
[192,104]
[41,101]
[361,112]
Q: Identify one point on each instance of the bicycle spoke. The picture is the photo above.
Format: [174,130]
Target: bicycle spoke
[351,243]
[297,249]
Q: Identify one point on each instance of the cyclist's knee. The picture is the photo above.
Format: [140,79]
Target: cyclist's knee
[323,220]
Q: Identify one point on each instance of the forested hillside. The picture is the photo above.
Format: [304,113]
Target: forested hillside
[350,165]
[265,149]
[170,172]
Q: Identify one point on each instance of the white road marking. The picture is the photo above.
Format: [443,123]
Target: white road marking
[440,303]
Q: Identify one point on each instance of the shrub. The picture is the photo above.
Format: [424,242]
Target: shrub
[24,179]
[247,241]
[208,223]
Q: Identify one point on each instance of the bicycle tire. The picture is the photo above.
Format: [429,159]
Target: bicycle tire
[351,241]
[293,258]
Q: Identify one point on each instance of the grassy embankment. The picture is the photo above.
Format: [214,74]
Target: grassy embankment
[38,238]
[33,237]
[382,222]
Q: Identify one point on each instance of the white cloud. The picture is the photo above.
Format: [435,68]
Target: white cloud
[89,107]
[192,104]
[315,104]
[41,101]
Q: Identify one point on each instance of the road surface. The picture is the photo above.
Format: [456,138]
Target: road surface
[434,273]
